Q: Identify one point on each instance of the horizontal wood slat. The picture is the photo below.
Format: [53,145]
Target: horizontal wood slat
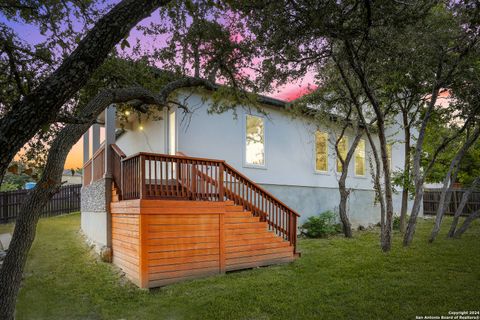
[170,246]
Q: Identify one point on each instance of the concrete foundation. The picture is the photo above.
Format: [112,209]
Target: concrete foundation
[94,217]
[310,201]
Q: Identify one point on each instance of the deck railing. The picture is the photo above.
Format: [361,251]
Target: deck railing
[160,176]
[87,173]
[117,156]
[98,164]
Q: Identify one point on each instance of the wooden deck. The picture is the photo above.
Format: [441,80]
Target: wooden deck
[158,242]
[177,217]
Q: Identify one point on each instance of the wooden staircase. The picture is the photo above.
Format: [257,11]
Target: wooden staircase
[176,218]
[249,243]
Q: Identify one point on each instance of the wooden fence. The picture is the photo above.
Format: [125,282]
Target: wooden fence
[432,197]
[65,201]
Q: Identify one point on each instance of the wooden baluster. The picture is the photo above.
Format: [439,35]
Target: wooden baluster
[155,176]
[204,167]
[170,185]
[142,177]
[177,189]
[220,181]
[149,189]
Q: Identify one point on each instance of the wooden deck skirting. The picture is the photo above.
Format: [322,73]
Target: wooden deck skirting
[159,242]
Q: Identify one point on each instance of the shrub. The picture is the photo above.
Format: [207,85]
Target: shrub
[321,226]
[396,222]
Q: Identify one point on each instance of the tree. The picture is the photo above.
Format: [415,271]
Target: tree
[49,184]
[41,104]
[461,206]
[113,76]
[363,37]
[331,105]
[452,60]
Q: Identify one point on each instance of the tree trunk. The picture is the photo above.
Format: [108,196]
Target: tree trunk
[406,172]
[417,203]
[376,175]
[449,181]
[40,107]
[25,226]
[387,240]
[417,174]
[344,193]
[24,233]
[342,208]
[466,224]
[460,207]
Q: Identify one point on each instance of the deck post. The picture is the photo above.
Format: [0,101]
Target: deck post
[221,240]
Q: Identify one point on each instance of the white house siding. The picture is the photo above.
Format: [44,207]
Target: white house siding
[151,138]
[289,172]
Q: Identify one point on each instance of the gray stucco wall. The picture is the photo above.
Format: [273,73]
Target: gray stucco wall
[94,213]
[310,201]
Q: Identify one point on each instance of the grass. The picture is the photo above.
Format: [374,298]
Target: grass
[335,279]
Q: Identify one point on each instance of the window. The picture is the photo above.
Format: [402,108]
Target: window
[255,141]
[360,158]
[342,149]
[321,151]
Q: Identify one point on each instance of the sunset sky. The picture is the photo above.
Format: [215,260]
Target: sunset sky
[32,35]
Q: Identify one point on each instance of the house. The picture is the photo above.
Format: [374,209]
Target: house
[180,196]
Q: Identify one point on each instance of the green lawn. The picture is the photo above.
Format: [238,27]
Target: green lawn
[334,279]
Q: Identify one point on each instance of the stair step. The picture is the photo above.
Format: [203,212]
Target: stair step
[234,208]
[229,219]
[256,230]
[250,253]
[239,214]
[264,258]
[260,236]
[274,242]
[246,225]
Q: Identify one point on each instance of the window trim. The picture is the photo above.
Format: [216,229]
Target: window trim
[364,160]
[244,156]
[336,155]
[315,151]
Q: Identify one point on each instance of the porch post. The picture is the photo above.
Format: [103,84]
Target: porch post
[95,144]
[95,138]
[109,138]
[110,113]
[86,151]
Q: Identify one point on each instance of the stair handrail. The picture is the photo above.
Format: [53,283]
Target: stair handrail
[260,189]
[117,166]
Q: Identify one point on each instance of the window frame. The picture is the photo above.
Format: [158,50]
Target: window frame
[315,151]
[246,164]
[364,160]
